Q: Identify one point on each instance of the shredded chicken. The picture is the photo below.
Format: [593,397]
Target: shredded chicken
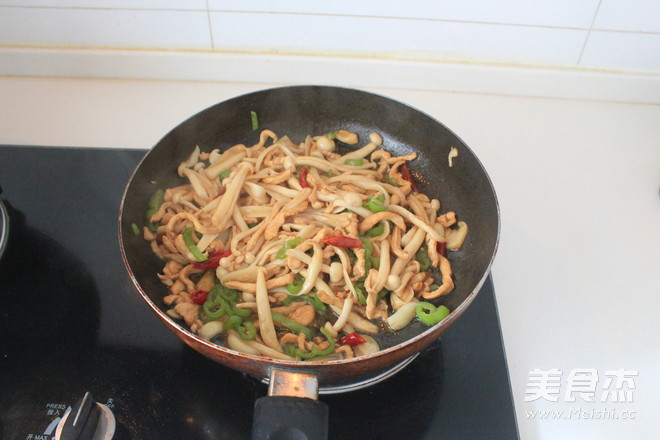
[292,246]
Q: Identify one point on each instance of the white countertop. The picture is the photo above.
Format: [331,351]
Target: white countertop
[577,275]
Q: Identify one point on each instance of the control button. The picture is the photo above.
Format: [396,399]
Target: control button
[86,420]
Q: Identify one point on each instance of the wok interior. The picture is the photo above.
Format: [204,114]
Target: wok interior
[297,112]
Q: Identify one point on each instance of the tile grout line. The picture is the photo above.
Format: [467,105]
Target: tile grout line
[98,8]
[445,20]
[591,27]
[208,10]
[86,50]
[208,16]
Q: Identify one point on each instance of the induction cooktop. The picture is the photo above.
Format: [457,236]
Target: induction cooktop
[72,322]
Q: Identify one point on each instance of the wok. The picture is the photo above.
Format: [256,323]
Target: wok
[298,111]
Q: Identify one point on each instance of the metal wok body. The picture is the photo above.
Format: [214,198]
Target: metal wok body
[297,112]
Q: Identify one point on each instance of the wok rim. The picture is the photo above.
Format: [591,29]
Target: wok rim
[397,352]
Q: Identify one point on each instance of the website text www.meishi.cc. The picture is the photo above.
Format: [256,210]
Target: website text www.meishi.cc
[579,413]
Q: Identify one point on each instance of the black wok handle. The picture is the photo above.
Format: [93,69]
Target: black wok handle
[290,411]
[286,418]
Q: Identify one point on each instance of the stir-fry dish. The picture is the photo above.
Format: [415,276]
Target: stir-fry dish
[295,251]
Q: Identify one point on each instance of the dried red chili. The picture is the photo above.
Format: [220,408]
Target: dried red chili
[441,247]
[212,261]
[405,173]
[303,178]
[352,339]
[342,241]
[199,296]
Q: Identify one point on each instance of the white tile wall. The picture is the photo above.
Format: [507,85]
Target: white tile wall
[629,15]
[194,5]
[103,28]
[612,50]
[560,13]
[396,38]
[583,34]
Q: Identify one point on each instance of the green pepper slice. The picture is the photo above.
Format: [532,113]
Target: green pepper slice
[352,258]
[255,120]
[376,230]
[368,250]
[390,180]
[296,286]
[360,294]
[290,244]
[422,256]
[375,262]
[246,330]
[311,298]
[354,162]
[314,300]
[292,325]
[292,298]
[155,201]
[216,309]
[220,291]
[429,314]
[314,352]
[375,204]
[233,321]
[190,244]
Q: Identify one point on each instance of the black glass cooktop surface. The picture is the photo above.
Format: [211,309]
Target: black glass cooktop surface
[71,321]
